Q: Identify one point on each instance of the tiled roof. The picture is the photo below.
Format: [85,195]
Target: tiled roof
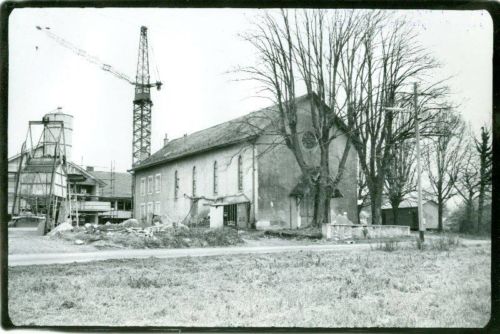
[122,183]
[227,133]
[224,134]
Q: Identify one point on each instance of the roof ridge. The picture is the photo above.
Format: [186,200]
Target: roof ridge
[220,124]
[174,150]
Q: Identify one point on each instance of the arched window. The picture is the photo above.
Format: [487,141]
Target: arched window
[215,178]
[176,185]
[240,173]
[194,181]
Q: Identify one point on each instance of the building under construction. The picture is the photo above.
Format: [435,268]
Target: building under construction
[44,185]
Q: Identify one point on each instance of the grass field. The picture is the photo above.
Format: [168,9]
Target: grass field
[402,288]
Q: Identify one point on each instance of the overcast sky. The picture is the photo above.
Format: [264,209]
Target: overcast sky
[193,50]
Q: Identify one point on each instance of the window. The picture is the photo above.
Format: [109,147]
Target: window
[240,173]
[176,185]
[150,184]
[194,181]
[157,208]
[143,186]
[150,208]
[143,210]
[215,178]
[157,183]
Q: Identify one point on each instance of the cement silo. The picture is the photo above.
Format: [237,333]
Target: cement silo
[52,133]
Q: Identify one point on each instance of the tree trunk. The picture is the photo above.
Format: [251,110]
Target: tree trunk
[322,194]
[376,204]
[469,225]
[395,214]
[321,205]
[440,215]
[480,207]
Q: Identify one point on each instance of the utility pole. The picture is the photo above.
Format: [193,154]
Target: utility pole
[421,227]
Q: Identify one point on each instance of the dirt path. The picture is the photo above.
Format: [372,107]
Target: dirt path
[26,241]
[51,258]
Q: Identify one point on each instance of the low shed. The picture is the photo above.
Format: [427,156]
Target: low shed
[408,214]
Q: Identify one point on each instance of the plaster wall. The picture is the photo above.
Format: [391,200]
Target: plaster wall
[279,172]
[178,209]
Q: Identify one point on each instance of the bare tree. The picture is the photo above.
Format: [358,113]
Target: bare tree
[380,63]
[306,48]
[484,149]
[357,64]
[443,159]
[467,185]
[400,180]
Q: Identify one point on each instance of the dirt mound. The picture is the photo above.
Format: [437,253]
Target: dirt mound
[132,234]
[130,223]
[66,226]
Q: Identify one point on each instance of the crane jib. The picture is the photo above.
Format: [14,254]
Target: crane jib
[141,144]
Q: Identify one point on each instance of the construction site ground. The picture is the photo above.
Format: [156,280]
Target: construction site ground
[26,241]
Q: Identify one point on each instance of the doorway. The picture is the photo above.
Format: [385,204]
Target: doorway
[230,215]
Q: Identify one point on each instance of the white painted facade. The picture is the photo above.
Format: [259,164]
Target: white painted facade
[175,206]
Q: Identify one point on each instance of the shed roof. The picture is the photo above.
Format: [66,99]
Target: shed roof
[228,133]
[228,200]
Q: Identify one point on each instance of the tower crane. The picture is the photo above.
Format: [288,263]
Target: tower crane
[141,141]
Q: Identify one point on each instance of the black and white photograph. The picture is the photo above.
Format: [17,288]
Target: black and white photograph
[244,167]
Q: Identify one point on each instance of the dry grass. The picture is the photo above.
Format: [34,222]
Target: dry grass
[403,288]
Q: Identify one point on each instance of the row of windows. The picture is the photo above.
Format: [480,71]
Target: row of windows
[157,183]
[148,208]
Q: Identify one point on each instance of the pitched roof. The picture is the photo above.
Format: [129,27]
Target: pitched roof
[72,168]
[410,202]
[224,134]
[87,175]
[228,133]
[122,184]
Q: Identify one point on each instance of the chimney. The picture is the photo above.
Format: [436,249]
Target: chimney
[90,168]
[165,140]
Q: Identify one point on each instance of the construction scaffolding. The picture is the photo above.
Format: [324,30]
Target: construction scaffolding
[41,187]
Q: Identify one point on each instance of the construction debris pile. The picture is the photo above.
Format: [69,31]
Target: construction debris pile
[132,234]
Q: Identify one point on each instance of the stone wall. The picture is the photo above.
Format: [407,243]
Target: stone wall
[347,232]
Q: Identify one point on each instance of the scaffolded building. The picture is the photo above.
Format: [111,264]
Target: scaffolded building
[41,188]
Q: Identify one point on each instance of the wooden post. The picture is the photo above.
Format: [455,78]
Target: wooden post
[421,227]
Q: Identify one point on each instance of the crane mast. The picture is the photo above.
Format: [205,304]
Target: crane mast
[141,141]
